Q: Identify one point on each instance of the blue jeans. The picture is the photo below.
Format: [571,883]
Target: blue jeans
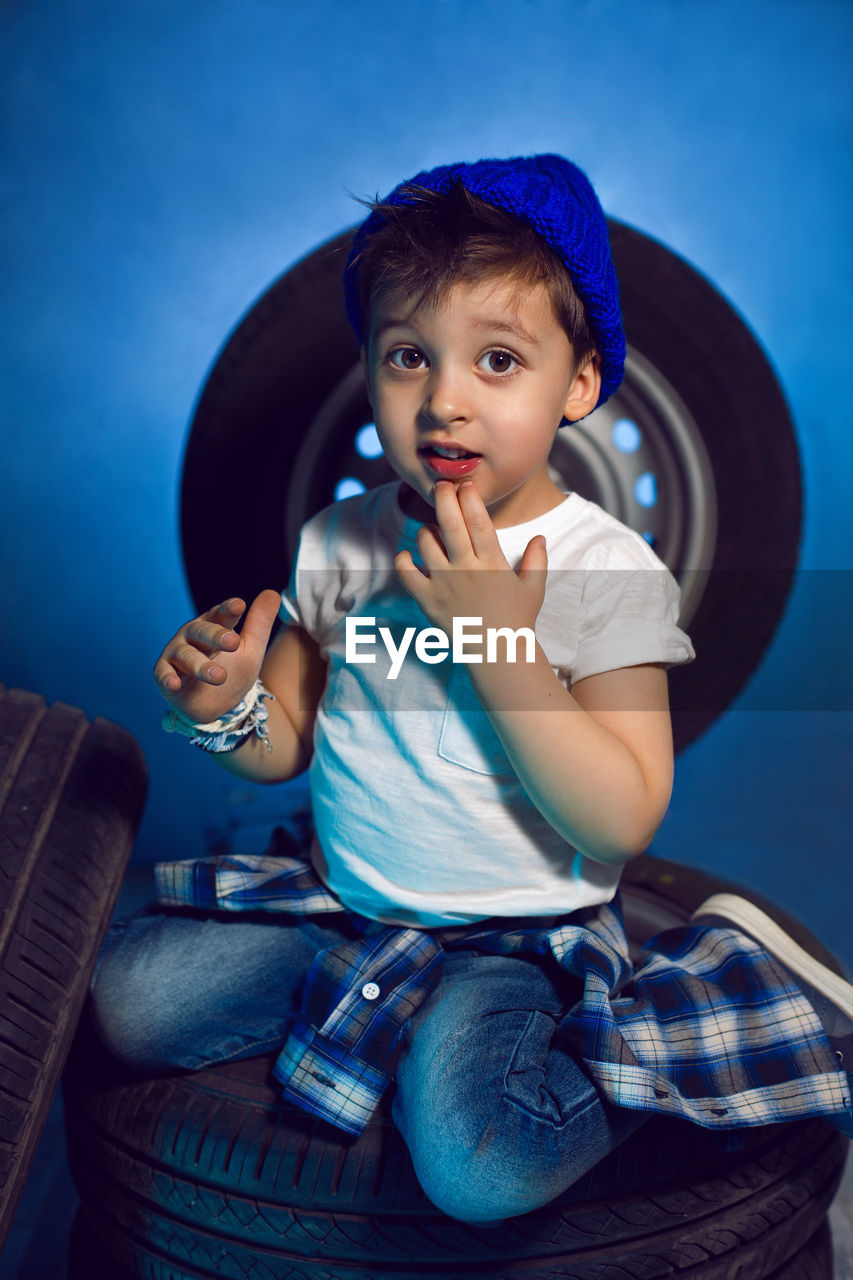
[498,1120]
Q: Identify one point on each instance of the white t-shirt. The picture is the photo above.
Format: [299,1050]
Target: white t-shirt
[420,818]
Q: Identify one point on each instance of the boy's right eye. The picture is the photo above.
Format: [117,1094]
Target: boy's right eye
[407,358]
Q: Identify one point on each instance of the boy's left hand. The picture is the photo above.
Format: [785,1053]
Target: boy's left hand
[482,583]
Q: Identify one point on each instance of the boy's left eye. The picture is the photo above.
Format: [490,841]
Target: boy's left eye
[497,362]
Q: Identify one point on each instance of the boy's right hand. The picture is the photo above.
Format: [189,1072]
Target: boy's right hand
[206,668]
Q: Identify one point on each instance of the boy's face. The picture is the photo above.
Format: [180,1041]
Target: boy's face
[475,388]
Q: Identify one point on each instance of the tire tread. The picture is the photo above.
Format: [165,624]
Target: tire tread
[71,795]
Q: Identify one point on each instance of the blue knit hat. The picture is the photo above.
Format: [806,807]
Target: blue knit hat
[553,196]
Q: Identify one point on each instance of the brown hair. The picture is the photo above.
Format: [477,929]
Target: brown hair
[437,239]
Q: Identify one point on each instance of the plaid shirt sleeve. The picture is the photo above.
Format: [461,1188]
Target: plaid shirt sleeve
[342,1050]
[709,1027]
[251,882]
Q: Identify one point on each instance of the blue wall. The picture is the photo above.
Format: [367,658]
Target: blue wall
[163,162]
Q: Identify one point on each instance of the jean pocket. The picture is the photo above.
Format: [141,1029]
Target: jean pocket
[467,737]
[544,1081]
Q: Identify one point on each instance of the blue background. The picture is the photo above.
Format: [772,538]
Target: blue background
[161,163]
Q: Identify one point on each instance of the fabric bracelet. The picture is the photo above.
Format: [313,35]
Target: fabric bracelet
[249,716]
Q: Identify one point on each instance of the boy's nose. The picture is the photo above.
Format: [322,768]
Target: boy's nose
[446,399]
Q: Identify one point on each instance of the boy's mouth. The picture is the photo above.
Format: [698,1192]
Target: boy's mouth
[449,461]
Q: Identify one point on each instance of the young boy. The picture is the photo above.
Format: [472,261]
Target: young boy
[474,667]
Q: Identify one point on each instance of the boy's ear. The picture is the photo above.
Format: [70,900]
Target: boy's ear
[584,391]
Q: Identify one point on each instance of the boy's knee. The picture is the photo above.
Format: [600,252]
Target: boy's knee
[477,1180]
[132,1011]
[128,1020]
[479,1159]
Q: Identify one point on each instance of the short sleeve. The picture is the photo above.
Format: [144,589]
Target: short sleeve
[629,616]
[290,609]
[305,599]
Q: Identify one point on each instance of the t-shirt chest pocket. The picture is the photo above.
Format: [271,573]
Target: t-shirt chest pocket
[467,737]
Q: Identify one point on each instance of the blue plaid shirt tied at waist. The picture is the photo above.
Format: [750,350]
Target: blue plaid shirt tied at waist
[706,1026]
